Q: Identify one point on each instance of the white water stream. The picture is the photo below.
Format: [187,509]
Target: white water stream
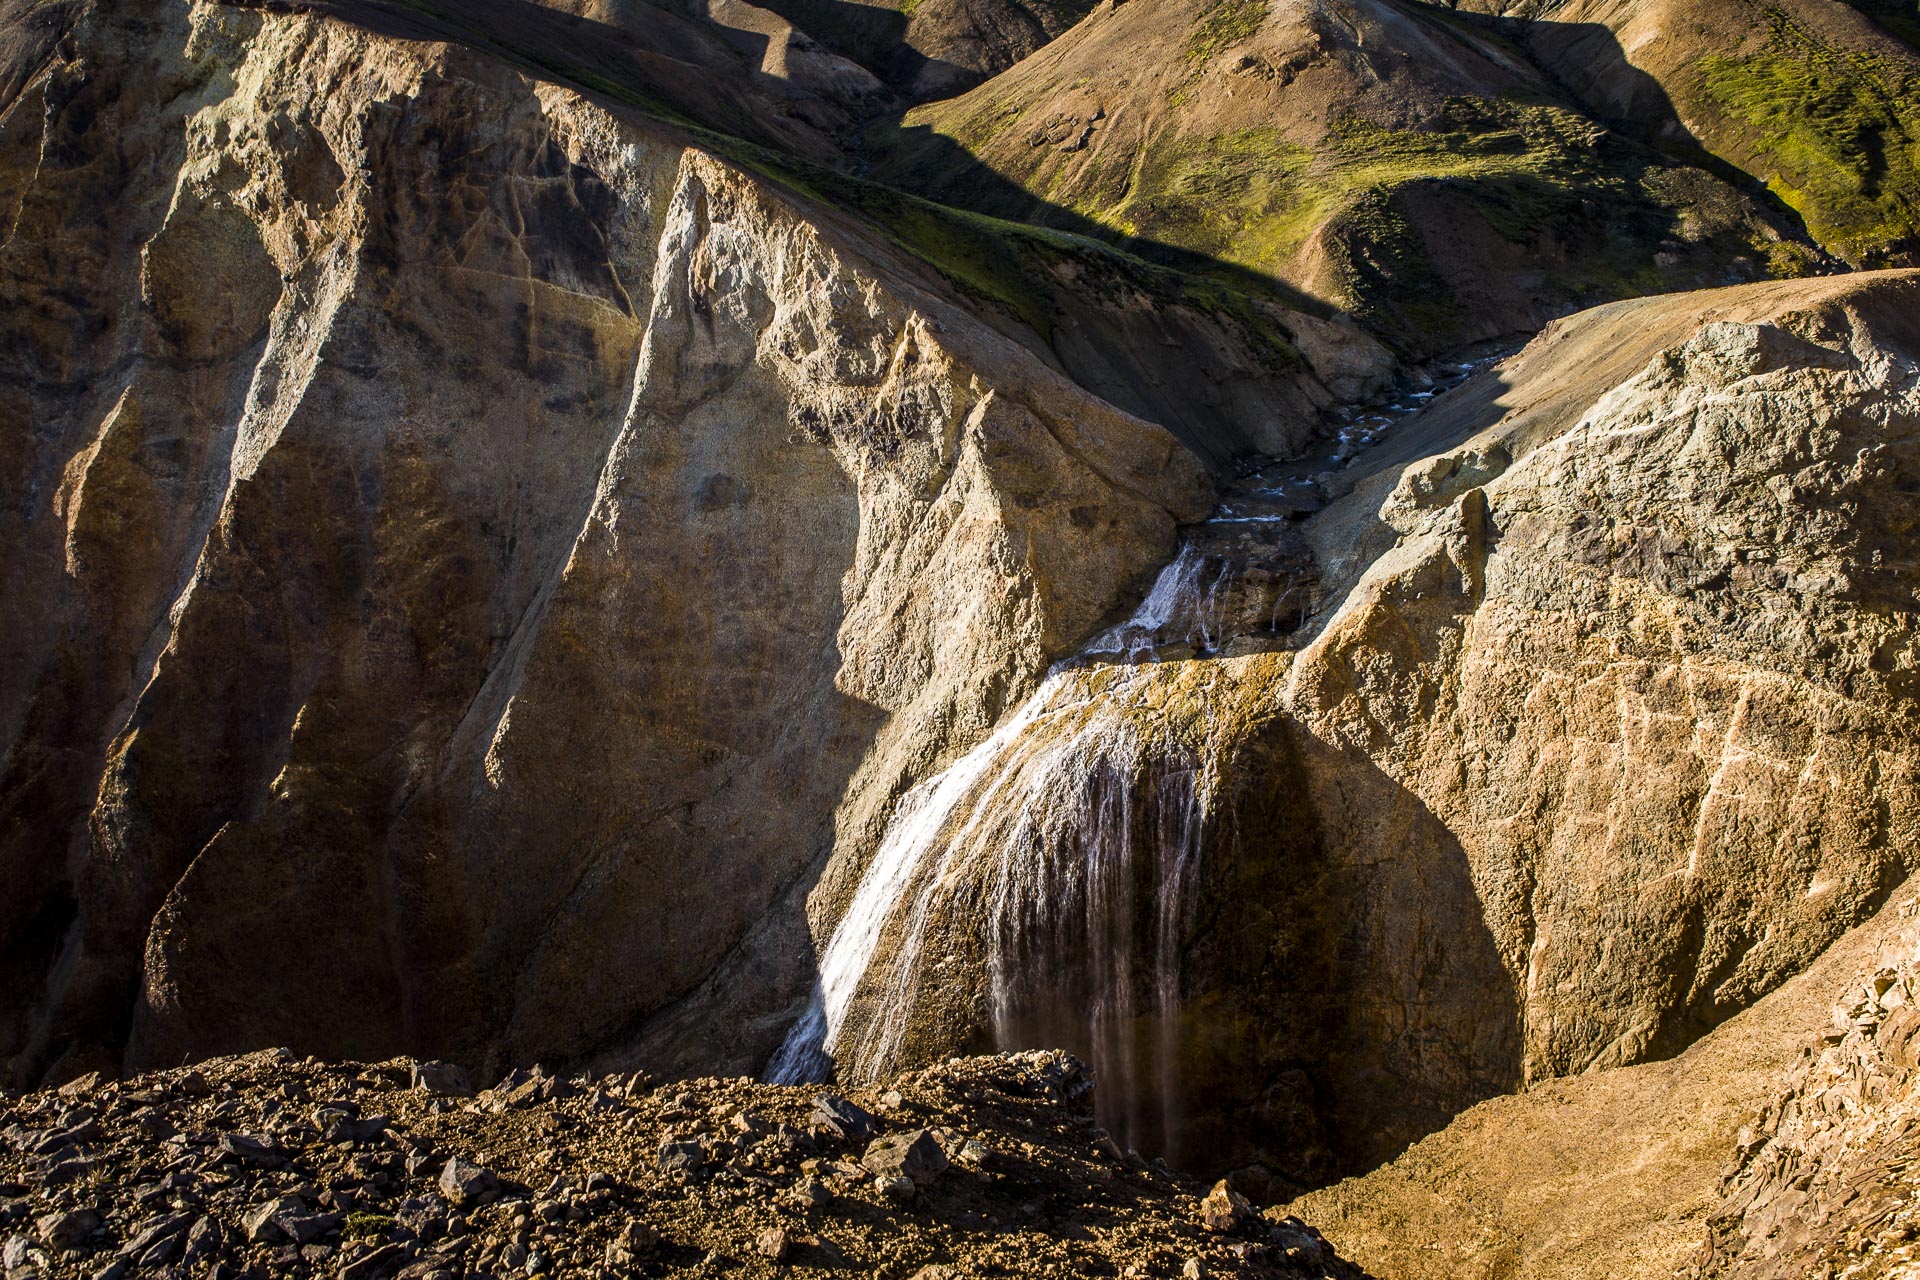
[1070,840]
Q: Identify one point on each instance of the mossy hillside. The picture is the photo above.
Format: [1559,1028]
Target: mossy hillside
[1836,135]
[1612,219]
[1023,268]
[1250,200]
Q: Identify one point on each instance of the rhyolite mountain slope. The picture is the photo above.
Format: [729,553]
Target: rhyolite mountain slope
[478,535]
[502,514]
[1814,98]
[1596,725]
[1449,176]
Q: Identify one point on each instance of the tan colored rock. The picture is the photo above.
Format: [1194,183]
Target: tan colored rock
[493,559]
[1599,730]
[1224,1210]
[1612,1174]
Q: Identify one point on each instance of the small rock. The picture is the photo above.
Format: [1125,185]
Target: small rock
[371,1266]
[263,1224]
[203,1240]
[916,1154]
[251,1150]
[899,1189]
[1225,1210]
[812,1193]
[682,1157]
[64,1232]
[153,1233]
[843,1119]
[464,1184]
[81,1086]
[441,1080]
[1194,1270]
[774,1243]
[636,1240]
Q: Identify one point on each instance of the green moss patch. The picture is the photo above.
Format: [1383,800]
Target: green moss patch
[1836,134]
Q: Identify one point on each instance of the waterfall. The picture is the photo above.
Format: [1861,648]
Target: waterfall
[1074,839]
[923,816]
[1068,844]
[1072,834]
[1085,930]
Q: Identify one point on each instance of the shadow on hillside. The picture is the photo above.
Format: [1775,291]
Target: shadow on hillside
[1586,62]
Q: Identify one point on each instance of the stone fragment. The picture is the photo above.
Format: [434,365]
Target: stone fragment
[636,1240]
[153,1232]
[63,1232]
[251,1150]
[372,1266]
[263,1224]
[811,1193]
[774,1243]
[843,1119]
[467,1184]
[915,1154]
[441,1080]
[682,1157]
[1225,1210]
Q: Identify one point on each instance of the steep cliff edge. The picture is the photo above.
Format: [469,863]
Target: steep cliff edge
[486,552]
[1578,723]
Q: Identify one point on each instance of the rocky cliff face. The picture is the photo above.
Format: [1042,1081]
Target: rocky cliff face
[515,573]
[1579,735]
[488,552]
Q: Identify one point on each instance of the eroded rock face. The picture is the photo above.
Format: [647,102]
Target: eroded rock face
[487,554]
[1650,666]
[1600,729]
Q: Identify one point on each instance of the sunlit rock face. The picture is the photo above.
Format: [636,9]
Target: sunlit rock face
[483,554]
[502,581]
[1598,728]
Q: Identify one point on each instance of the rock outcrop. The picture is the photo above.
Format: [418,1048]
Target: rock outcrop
[487,553]
[1598,728]
[1822,1183]
[1615,1174]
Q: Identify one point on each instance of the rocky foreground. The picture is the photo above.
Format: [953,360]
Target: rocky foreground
[272,1164]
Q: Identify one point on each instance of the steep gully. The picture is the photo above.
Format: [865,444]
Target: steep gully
[1075,835]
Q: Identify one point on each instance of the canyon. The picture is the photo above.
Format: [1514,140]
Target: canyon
[1356,574]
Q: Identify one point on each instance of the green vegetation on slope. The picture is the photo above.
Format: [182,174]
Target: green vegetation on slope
[1608,216]
[1226,24]
[1836,134]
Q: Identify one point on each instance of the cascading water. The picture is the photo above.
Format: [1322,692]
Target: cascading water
[1069,844]
[1074,836]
